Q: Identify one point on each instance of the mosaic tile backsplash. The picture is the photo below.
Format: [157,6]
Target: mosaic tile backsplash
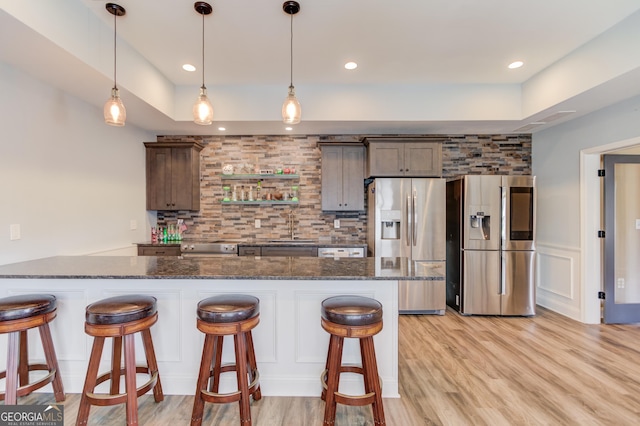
[462,154]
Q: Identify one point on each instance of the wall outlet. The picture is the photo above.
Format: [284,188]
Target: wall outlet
[336,223]
[133,224]
[14,232]
[257,223]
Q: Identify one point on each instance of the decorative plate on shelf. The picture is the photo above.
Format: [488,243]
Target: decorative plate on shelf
[227,169]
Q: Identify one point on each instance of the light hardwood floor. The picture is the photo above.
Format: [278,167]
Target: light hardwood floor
[455,370]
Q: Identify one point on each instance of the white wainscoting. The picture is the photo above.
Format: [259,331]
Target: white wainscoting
[558,279]
[291,346]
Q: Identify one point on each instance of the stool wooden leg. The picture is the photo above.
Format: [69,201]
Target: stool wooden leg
[371,378]
[253,365]
[152,363]
[23,363]
[90,380]
[52,361]
[216,365]
[116,366]
[130,379]
[203,377]
[333,378]
[241,372]
[13,353]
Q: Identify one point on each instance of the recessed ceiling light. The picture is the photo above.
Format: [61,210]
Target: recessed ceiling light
[516,64]
[351,65]
[288,128]
[222,129]
[188,67]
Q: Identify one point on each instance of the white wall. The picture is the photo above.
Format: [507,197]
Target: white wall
[562,284]
[71,182]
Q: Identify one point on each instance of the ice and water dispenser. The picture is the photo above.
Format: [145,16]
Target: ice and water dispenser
[480,224]
[390,224]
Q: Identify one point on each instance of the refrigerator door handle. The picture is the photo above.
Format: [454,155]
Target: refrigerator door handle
[414,223]
[503,272]
[408,230]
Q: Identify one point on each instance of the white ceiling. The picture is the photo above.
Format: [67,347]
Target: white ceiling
[425,66]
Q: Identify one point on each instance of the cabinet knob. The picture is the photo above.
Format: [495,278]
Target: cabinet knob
[401,170]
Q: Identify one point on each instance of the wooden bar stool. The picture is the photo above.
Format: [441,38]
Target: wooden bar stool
[18,314]
[227,315]
[352,317]
[120,317]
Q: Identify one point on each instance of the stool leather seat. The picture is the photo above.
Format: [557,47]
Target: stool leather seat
[228,308]
[351,310]
[121,309]
[26,306]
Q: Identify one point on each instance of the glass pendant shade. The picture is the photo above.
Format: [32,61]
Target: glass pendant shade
[115,113]
[202,109]
[291,109]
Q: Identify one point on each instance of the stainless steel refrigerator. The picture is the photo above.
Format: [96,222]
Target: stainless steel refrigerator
[406,218]
[491,245]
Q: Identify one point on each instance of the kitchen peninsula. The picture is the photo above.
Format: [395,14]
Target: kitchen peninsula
[290,344]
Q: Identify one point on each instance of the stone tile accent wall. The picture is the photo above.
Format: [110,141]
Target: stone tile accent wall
[462,154]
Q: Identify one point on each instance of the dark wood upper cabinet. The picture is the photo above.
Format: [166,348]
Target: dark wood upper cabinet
[400,157]
[173,175]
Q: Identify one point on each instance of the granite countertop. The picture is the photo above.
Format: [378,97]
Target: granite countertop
[266,242]
[267,268]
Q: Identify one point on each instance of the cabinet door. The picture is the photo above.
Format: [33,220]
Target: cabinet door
[183,180]
[332,178]
[353,178]
[386,159]
[173,175]
[159,179]
[422,159]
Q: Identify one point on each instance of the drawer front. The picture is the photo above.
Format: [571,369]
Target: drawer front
[249,251]
[307,251]
[158,251]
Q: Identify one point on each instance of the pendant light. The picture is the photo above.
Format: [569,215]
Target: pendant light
[291,109]
[202,109]
[114,112]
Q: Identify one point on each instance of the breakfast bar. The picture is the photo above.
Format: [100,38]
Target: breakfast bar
[291,346]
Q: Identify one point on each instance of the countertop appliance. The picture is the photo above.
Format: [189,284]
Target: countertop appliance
[209,249]
[407,219]
[491,245]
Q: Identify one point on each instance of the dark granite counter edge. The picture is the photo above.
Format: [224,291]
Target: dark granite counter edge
[221,277]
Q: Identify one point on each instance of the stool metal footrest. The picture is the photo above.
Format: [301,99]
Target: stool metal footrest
[28,388]
[215,397]
[109,399]
[343,398]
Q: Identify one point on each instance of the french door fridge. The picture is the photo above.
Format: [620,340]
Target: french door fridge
[491,245]
[406,218]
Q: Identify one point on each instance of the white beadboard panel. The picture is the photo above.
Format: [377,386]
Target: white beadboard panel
[290,344]
[558,279]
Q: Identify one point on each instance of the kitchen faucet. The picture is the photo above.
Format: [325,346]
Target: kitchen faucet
[291,224]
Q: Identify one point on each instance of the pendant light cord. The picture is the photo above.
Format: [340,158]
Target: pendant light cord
[202,51]
[115,56]
[291,52]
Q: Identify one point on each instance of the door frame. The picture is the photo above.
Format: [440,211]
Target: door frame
[591,221]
